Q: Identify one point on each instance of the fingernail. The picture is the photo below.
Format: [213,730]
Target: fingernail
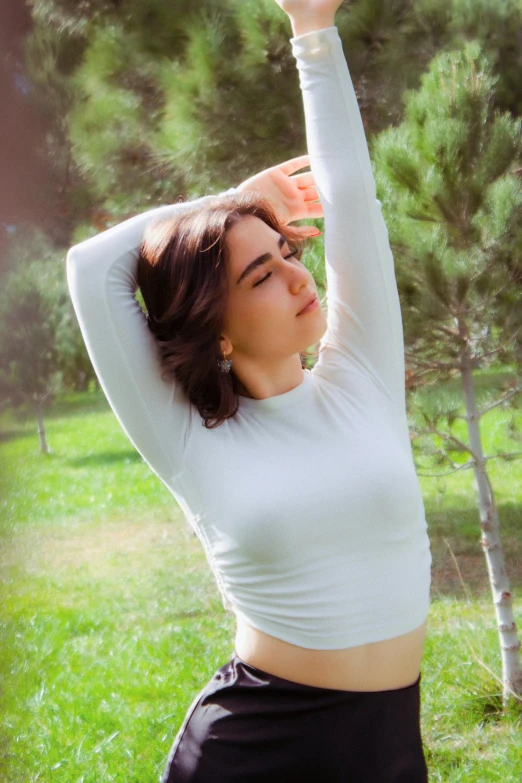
[316,234]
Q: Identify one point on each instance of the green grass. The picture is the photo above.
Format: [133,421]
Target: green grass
[111,622]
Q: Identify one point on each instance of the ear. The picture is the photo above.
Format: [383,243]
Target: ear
[225,345]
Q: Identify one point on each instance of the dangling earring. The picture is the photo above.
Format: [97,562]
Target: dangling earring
[224,363]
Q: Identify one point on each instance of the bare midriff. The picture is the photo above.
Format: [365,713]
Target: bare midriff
[387,665]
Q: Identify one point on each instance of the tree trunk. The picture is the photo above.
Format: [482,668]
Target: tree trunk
[492,546]
[41,429]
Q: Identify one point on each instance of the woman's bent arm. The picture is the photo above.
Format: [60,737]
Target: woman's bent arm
[101,274]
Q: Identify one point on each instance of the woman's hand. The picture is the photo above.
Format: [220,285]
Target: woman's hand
[307,16]
[317,7]
[293,196]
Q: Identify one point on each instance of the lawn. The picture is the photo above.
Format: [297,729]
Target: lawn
[111,622]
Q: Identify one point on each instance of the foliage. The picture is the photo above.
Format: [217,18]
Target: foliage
[27,340]
[446,175]
[40,343]
[170,98]
[454,211]
[149,102]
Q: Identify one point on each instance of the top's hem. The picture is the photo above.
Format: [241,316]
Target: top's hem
[340,642]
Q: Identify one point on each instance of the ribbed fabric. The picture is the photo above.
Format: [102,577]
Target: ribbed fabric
[307,503]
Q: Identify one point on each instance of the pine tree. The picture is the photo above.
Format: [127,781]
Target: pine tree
[41,349]
[454,211]
[27,344]
[171,98]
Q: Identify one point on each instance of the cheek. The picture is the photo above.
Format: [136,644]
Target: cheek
[254,318]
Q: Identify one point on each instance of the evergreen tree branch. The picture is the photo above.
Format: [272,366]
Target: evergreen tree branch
[466,466]
[489,264]
[433,364]
[453,333]
[444,455]
[476,358]
[450,437]
[480,306]
[501,400]
[504,455]
[501,349]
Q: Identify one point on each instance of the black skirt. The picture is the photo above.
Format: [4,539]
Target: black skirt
[247,726]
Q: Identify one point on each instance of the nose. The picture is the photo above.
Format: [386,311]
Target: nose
[299,278]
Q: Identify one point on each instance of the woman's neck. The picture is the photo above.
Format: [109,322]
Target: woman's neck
[259,382]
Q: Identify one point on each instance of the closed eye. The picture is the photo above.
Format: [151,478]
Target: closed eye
[263,280]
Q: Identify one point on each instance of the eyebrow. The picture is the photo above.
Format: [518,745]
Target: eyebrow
[259,260]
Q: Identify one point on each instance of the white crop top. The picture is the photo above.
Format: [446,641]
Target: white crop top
[307,503]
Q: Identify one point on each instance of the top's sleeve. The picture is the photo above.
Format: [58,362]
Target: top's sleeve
[102,279]
[364,319]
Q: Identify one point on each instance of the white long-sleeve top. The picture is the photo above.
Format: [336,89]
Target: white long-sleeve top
[307,503]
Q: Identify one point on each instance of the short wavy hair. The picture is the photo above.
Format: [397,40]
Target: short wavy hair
[183,278]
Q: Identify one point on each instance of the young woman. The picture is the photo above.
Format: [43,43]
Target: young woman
[300,485]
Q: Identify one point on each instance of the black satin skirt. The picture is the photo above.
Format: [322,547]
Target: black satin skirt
[247,726]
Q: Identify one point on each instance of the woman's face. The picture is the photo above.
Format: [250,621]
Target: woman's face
[268,289]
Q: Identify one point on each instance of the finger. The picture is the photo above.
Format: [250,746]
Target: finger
[310,194]
[294,164]
[304,180]
[314,210]
[308,232]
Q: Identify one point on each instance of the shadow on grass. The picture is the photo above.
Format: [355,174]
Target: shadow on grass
[8,435]
[105,458]
[78,404]
[446,519]
[74,404]
[480,695]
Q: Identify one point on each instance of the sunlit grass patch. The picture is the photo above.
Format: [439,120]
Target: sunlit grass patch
[467,736]
[104,655]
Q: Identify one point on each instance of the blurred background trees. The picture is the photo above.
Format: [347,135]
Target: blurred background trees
[151,101]
[120,105]
[41,348]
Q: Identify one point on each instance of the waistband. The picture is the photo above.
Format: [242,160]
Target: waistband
[239,669]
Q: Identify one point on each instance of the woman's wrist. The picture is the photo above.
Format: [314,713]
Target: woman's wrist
[310,23]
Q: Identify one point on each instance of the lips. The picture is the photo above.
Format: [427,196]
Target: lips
[311,299]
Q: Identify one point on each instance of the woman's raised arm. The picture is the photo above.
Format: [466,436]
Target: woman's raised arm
[364,318]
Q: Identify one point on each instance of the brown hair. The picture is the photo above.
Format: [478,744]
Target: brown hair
[182,274]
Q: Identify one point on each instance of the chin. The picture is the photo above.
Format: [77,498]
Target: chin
[320,332]
[313,342]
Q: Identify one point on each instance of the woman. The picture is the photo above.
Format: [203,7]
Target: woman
[301,485]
